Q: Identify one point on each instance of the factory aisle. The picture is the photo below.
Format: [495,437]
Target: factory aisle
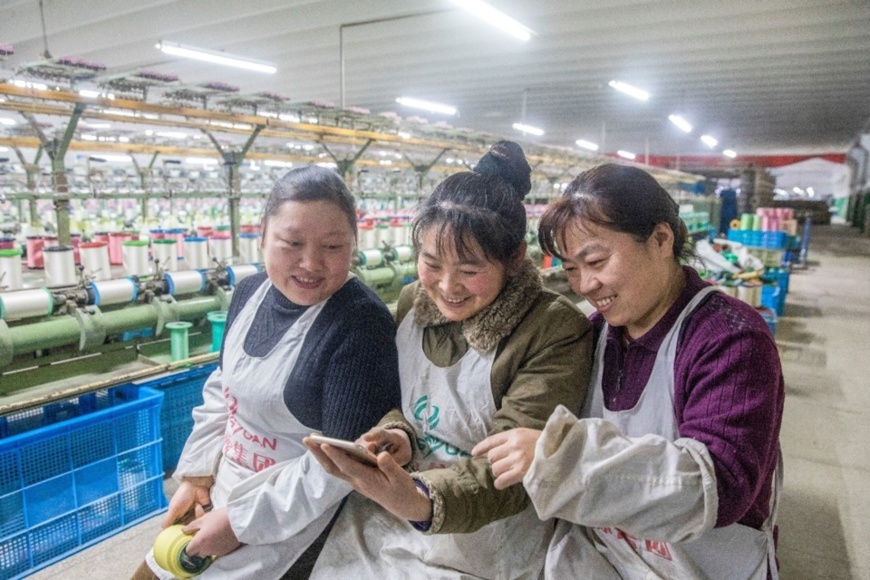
[824,341]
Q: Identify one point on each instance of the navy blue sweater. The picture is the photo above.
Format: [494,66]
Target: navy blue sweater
[347,375]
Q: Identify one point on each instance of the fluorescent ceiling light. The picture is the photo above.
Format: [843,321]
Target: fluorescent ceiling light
[201,160]
[709,141]
[95,125]
[426,105]
[811,191]
[275,163]
[797,190]
[528,129]
[681,123]
[118,158]
[626,88]
[7,122]
[626,154]
[496,18]
[172,134]
[586,144]
[28,85]
[729,153]
[214,57]
[4,149]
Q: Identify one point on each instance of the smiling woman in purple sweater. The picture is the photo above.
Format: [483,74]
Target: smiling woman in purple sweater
[671,469]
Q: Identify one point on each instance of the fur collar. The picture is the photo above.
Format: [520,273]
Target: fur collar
[485,329]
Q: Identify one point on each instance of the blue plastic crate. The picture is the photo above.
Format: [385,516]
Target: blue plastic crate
[770,318]
[182,392]
[75,472]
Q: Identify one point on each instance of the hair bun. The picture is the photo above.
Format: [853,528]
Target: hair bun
[505,159]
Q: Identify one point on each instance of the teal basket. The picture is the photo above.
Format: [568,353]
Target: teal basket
[75,472]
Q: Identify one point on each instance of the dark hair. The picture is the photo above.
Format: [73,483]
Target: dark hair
[485,204]
[312,183]
[620,198]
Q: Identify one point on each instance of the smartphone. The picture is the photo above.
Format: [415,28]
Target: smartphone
[358,452]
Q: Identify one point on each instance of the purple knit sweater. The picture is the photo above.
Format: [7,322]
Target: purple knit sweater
[728,392]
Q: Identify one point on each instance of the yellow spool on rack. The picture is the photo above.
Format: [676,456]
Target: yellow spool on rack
[169,552]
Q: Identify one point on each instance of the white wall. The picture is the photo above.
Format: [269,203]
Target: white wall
[825,177]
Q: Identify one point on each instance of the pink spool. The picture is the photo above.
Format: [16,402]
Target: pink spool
[249,229]
[116,239]
[75,241]
[35,244]
[49,241]
[101,237]
[203,231]
[7,243]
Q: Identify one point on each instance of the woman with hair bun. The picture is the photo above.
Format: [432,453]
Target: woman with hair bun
[671,470]
[483,348]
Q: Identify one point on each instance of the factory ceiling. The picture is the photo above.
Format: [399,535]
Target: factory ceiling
[763,77]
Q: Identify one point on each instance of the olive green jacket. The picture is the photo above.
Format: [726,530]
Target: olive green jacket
[543,359]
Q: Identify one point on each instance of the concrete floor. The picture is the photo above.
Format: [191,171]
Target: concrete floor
[824,341]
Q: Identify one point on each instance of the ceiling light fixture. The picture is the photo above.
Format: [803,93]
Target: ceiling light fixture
[276,163]
[528,129]
[7,122]
[709,141]
[95,125]
[117,158]
[729,153]
[426,105]
[201,160]
[626,88]
[626,154]
[175,49]
[586,144]
[681,123]
[496,18]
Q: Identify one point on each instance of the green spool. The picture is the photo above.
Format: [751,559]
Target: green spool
[178,340]
[747,221]
[218,320]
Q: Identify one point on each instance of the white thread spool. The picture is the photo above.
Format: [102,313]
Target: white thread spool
[165,253]
[249,248]
[120,291]
[399,238]
[371,258]
[135,257]
[26,304]
[368,238]
[181,283]
[10,270]
[196,253]
[95,259]
[60,267]
[221,247]
[750,293]
[382,234]
[240,272]
[403,253]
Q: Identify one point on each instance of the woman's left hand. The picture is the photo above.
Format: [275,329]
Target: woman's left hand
[212,535]
[387,484]
[510,454]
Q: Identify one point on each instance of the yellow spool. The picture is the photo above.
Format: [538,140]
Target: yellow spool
[735,224]
[170,555]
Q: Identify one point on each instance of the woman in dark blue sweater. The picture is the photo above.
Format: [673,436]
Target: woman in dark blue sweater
[307,348]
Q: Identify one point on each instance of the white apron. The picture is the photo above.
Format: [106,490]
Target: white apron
[452,410]
[260,434]
[735,552]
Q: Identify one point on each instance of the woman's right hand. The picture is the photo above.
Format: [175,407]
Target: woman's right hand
[193,493]
[393,441]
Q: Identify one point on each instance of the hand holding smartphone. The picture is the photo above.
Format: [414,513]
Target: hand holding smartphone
[357,452]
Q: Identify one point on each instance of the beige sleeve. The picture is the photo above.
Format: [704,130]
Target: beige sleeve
[545,363]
